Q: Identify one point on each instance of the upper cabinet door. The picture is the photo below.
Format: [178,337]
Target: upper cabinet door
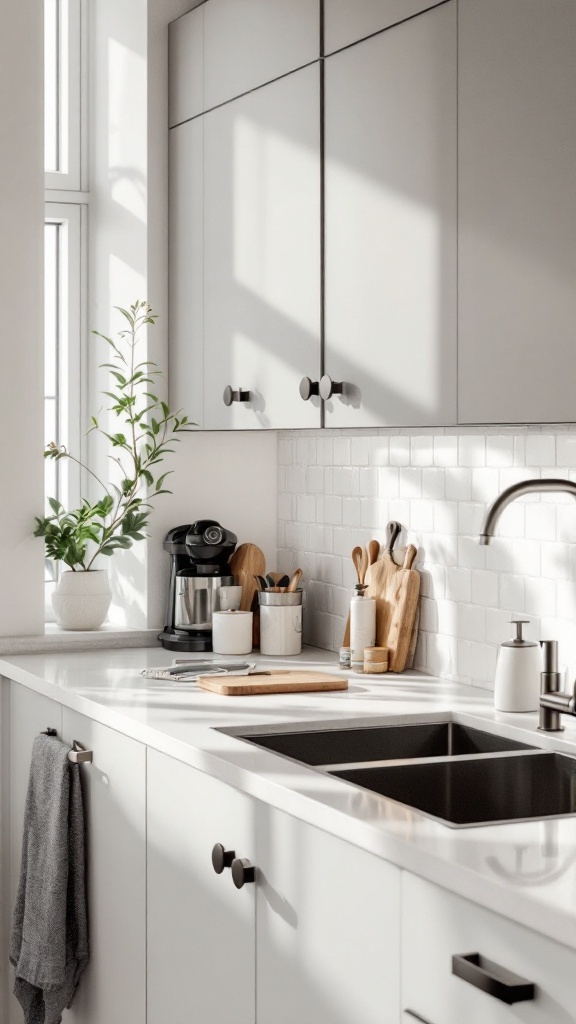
[250,42]
[225,48]
[517,211]
[347,21]
[390,225]
[186,67]
[262,254]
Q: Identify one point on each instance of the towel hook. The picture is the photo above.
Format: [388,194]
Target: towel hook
[79,754]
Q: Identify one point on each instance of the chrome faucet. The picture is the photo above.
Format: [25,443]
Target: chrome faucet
[518,491]
[553,702]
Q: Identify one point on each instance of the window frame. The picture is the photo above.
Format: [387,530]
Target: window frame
[71,175]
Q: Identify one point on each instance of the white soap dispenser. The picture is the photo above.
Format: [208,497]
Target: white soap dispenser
[517,681]
[362,620]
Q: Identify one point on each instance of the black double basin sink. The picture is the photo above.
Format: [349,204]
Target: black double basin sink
[458,774]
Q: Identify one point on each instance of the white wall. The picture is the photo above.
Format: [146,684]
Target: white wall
[220,476]
[21,321]
[339,489]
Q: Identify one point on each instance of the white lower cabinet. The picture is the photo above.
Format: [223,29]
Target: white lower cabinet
[113,986]
[200,926]
[327,927]
[30,713]
[437,925]
[314,938]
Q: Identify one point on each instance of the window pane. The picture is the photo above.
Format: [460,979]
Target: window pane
[51,85]
[51,303]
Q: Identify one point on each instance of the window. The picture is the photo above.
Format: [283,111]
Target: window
[66,218]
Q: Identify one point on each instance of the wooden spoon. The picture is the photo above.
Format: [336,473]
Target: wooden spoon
[373,548]
[357,558]
[294,581]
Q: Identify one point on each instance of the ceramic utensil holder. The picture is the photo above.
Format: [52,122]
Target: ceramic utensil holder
[280,623]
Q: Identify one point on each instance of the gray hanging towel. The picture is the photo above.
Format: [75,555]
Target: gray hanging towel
[49,939]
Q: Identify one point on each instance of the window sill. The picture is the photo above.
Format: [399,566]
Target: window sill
[56,639]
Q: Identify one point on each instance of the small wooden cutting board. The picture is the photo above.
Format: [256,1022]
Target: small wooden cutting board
[246,562]
[275,681]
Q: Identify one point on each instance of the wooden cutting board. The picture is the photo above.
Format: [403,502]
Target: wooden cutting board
[275,681]
[396,589]
[247,562]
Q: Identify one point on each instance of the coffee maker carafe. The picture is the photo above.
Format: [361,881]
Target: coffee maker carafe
[199,566]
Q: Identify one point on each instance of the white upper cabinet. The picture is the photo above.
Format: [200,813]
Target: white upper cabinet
[517,211]
[250,42]
[225,48]
[186,268]
[390,223]
[186,67]
[262,255]
[347,21]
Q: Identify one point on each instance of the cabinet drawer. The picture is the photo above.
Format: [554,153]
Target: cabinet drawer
[438,926]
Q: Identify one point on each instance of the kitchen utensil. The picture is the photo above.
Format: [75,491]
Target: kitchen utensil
[373,549]
[248,559]
[393,530]
[364,565]
[396,590]
[275,681]
[199,568]
[294,580]
[357,558]
[261,582]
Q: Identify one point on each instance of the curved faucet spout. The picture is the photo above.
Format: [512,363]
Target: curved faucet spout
[517,491]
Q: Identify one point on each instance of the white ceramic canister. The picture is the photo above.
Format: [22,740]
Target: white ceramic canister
[280,623]
[362,620]
[232,632]
[517,680]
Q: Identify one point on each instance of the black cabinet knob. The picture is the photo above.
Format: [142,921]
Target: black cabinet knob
[230,395]
[308,388]
[329,387]
[221,858]
[242,872]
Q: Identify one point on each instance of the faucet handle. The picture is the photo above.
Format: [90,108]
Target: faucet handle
[550,652]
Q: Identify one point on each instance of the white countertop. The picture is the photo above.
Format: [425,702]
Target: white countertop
[526,871]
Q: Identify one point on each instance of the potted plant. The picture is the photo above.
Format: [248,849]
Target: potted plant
[146,430]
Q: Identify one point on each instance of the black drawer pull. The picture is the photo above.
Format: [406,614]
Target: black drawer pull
[491,978]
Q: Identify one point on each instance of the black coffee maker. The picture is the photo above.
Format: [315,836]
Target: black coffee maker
[199,566]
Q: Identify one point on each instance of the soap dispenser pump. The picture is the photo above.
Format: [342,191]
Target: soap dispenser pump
[517,681]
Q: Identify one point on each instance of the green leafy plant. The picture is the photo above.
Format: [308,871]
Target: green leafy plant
[148,429]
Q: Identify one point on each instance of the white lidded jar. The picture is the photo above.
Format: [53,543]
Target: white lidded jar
[517,681]
[362,620]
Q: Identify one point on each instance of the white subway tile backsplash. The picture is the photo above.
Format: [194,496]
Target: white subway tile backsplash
[336,490]
[459,484]
[566,450]
[540,450]
[342,446]
[360,451]
[499,450]
[388,482]
[399,451]
[445,451]
[472,450]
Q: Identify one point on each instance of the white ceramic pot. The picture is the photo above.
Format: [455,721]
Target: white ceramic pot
[81,599]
